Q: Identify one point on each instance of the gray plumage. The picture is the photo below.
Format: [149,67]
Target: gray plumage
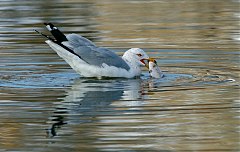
[92,54]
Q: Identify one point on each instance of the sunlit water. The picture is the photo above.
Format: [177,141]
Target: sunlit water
[45,106]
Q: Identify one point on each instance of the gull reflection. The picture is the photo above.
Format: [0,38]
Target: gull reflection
[89,98]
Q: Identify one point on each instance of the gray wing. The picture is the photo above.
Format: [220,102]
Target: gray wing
[92,54]
[76,40]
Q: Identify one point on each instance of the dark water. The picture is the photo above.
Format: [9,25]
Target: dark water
[45,106]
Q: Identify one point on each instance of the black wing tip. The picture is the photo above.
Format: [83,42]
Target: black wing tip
[57,34]
[50,26]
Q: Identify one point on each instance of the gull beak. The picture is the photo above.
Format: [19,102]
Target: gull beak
[145,64]
[149,60]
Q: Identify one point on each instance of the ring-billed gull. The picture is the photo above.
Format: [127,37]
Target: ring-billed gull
[90,60]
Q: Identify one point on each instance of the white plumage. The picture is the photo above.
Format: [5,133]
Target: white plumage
[91,61]
[105,70]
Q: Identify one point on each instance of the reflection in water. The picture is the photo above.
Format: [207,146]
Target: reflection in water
[142,114]
[88,98]
[58,122]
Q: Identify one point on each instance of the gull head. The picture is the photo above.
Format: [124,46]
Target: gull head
[136,56]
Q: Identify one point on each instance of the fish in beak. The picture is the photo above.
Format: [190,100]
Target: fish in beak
[154,69]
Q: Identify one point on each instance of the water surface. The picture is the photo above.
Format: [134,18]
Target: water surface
[46,106]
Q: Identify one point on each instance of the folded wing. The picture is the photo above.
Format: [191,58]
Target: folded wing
[92,54]
[85,49]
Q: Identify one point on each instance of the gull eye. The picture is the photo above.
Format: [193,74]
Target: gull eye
[140,55]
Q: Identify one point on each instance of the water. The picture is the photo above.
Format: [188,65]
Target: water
[46,106]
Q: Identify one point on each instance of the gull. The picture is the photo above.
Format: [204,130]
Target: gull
[89,60]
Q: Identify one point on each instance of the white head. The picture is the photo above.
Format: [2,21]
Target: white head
[135,56]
